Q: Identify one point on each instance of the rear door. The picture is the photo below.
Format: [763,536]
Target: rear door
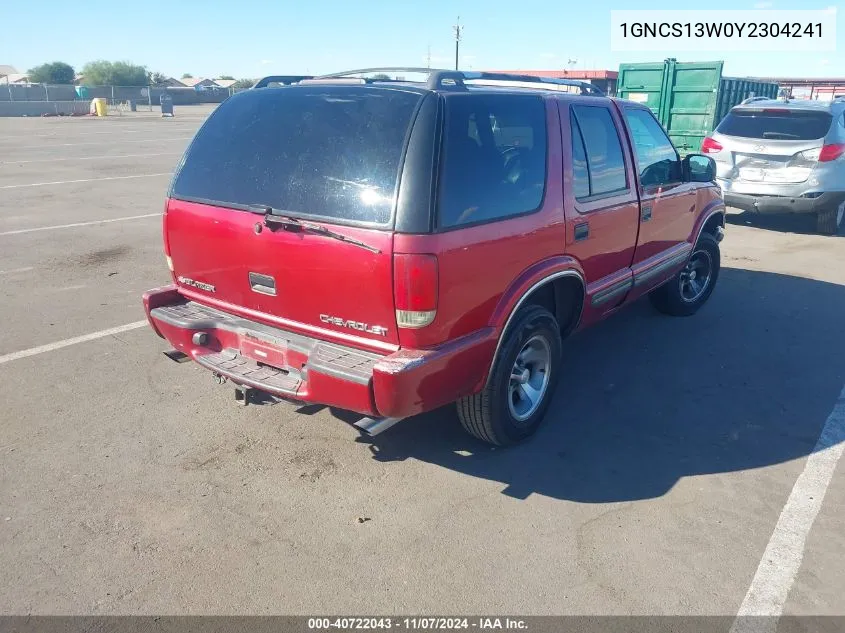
[325,155]
[602,207]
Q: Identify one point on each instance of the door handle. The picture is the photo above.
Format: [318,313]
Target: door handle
[645,213]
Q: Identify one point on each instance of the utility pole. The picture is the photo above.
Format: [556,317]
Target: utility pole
[458,30]
[428,58]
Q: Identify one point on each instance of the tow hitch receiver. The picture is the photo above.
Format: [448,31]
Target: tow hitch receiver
[250,395]
[243,394]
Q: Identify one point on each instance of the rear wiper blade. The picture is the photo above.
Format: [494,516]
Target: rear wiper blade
[783,135]
[293,224]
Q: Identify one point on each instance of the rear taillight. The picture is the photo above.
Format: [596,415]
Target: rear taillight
[415,289]
[709,146]
[164,236]
[831,152]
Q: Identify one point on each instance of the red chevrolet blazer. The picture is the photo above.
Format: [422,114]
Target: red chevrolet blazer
[388,246]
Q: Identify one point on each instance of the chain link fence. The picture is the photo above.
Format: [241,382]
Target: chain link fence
[119,98]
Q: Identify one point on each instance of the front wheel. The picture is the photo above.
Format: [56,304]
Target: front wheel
[829,222]
[687,291]
[512,405]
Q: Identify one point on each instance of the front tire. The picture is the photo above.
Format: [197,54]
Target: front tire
[519,390]
[830,221]
[690,289]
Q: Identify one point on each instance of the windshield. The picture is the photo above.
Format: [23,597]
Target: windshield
[324,151]
[792,125]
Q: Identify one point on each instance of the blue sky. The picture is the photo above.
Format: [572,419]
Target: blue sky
[249,38]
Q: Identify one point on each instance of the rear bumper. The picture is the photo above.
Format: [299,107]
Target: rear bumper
[305,369]
[783,204]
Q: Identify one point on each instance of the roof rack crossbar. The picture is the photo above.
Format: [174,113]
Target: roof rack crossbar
[285,80]
[384,69]
[331,80]
[446,78]
[584,86]
[440,78]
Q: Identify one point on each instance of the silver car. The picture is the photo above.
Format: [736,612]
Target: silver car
[779,156]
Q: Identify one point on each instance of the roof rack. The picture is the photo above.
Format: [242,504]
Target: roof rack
[439,79]
[543,83]
[349,74]
[285,80]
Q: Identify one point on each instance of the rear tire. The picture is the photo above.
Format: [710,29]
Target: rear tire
[829,222]
[519,390]
[688,290]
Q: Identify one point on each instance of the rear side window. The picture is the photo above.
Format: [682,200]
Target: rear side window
[595,138]
[493,158]
[580,172]
[329,152]
[773,123]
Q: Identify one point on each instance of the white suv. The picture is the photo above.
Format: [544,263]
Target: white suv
[779,156]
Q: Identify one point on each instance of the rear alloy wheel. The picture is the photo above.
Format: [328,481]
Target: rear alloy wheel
[830,221]
[513,403]
[529,379]
[687,291]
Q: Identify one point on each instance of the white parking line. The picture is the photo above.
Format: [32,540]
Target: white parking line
[50,146]
[51,347]
[16,270]
[782,559]
[75,224]
[83,133]
[103,157]
[68,182]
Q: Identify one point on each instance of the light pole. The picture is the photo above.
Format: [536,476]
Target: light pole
[458,30]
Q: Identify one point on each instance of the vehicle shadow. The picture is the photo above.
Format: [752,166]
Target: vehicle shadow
[647,399]
[801,223]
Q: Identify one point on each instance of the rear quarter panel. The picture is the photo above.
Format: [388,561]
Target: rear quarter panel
[484,269]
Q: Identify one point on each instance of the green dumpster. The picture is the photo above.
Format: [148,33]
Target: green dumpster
[688,98]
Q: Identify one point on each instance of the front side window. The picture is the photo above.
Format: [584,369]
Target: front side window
[657,159]
[493,162]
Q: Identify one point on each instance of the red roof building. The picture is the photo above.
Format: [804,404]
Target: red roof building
[816,88]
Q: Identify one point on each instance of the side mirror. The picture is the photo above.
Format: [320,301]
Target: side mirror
[698,168]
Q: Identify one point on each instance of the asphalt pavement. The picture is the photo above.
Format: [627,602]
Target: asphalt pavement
[689,466]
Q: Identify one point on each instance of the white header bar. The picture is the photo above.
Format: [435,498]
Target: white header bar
[708,31]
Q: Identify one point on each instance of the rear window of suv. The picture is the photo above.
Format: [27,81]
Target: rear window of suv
[774,124]
[323,151]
